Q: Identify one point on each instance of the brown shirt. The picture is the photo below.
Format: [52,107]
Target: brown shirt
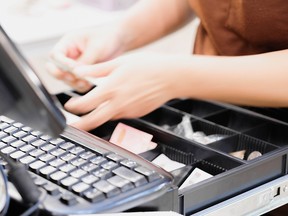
[240,27]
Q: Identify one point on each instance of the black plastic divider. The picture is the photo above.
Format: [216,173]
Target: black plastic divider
[272,133]
[159,117]
[176,148]
[237,121]
[183,150]
[196,107]
[242,142]
[232,176]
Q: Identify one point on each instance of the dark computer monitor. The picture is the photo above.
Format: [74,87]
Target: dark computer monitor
[22,95]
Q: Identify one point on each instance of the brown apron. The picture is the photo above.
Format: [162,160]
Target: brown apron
[240,27]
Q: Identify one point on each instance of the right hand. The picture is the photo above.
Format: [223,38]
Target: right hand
[84,47]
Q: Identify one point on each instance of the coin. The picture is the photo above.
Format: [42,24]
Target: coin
[254,155]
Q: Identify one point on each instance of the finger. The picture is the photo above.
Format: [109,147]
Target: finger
[97,117]
[70,79]
[89,101]
[63,62]
[96,70]
[88,56]
[59,74]
[80,85]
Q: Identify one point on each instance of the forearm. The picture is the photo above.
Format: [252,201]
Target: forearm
[149,20]
[258,80]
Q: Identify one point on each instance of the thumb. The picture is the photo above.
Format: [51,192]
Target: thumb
[96,70]
[89,56]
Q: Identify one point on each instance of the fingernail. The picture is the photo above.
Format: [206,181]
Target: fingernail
[82,84]
[69,77]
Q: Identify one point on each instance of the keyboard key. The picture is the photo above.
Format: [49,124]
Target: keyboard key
[37,165]
[57,162]
[121,183]
[107,188]
[98,160]
[102,174]
[3,125]
[40,181]
[3,145]
[80,187]
[29,138]
[67,145]
[77,150]
[67,168]
[78,162]
[9,139]
[78,173]
[87,155]
[94,195]
[68,199]
[20,134]
[27,129]
[38,143]
[11,130]
[57,176]
[68,157]
[6,119]
[57,141]
[48,147]
[47,157]
[8,150]
[101,151]
[45,137]
[115,157]
[46,171]
[18,124]
[58,152]
[149,174]
[17,155]
[27,160]
[36,153]
[69,181]
[3,134]
[89,167]
[89,179]
[110,165]
[129,163]
[27,148]
[18,144]
[36,133]
[52,189]
[130,175]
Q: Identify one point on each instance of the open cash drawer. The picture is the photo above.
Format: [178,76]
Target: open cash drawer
[242,129]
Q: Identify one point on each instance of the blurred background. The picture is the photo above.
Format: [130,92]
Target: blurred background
[36,25]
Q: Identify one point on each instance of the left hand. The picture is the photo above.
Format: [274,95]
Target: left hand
[135,85]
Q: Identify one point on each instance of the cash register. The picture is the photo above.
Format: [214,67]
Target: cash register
[73,171]
[76,172]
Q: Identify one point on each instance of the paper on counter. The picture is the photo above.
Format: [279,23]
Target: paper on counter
[132,139]
[196,176]
[166,163]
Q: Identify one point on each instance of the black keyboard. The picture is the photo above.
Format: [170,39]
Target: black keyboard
[82,173]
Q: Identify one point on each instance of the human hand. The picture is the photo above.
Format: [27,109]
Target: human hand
[84,47]
[134,85]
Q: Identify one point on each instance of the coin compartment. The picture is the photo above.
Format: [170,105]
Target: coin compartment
[243,142]
[237,121]
[196,107]
[272,133]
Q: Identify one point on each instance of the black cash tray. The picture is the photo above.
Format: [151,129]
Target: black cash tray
[244,129]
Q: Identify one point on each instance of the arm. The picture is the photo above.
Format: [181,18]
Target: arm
[150,20]
[257,80]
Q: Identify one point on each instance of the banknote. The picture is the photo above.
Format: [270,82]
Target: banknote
[132,139]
